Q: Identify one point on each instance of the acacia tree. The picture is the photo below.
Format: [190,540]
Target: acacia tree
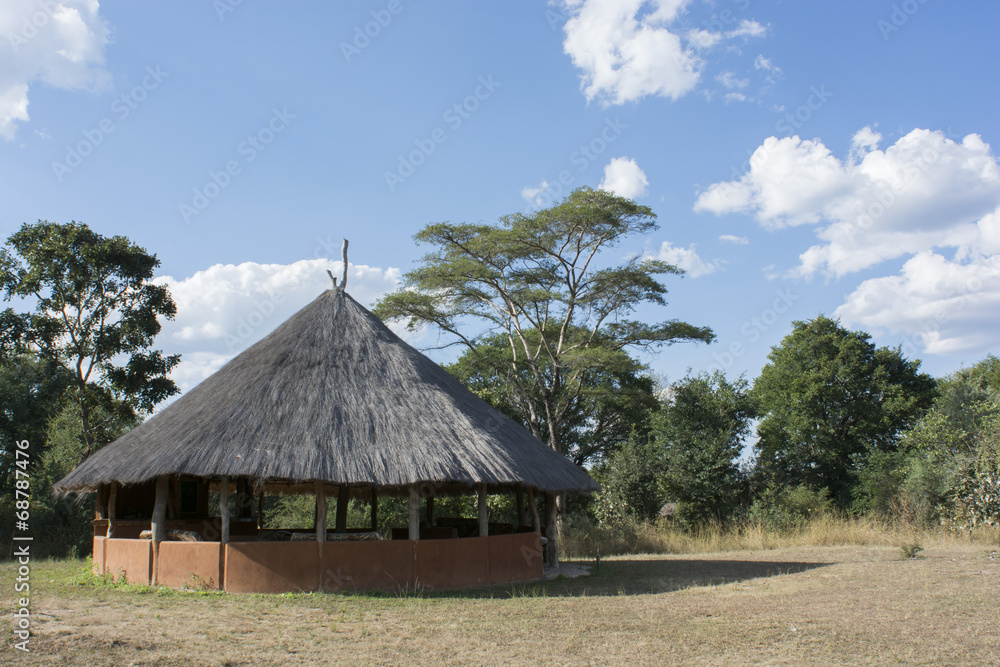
[614,400]
[535,281]
[830,400]
[95,315]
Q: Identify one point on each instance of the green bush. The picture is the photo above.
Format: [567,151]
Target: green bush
[784,509]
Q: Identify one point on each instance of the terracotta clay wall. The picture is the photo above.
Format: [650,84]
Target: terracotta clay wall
[516,557]
[458,563]
[99,555]
[271,567]
[134,557]
[279,567]
[190,563]
[386,565]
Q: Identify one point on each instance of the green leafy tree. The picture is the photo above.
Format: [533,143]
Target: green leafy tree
[613,400]
[629,480]
[944,461]
[96,315]
[536,282]
[700,433]
[31,392]
[829,399]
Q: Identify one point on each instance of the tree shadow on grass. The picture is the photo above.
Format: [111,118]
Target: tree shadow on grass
[642,577]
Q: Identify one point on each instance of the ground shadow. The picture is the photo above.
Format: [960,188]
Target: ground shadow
[641,577]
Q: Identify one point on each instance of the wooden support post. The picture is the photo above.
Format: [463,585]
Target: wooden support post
[430,510]
[343,501]
[224,509]
[158,527]
[484,516]
[414,513]
[522,518]
[321,512]
[112,500]
[374,509]
[534,511]
[101,503]
[551,529]
[260,508]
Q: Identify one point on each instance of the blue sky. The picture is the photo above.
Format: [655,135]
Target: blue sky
[802,157]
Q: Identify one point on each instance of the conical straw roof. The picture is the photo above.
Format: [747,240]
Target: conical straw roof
[333,395]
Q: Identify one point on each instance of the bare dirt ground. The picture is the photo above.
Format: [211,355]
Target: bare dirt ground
[799,606]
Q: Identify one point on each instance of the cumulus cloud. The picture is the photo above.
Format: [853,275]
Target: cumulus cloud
[630,49]
[941,306]
[58,43]
[735,240]
[226,308]
[625,178]
[687,259]
[928,198]
[924,191]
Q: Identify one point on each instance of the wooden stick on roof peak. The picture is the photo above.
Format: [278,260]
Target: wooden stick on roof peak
[343,283]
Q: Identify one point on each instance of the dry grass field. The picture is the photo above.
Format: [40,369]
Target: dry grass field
[850,605]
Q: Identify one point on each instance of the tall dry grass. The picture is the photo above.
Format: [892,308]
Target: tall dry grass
[584,539]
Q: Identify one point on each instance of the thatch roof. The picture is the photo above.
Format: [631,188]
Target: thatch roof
[333,395]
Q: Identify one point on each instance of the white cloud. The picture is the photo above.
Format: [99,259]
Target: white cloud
[924,191]
[942,306]
[923,194]
[625,56]
[625,178]
[747,28]
[226,308]
[58,43]
[534,196]
[630,49]
[687,259]
[703,39]
[735,240]
[731,81]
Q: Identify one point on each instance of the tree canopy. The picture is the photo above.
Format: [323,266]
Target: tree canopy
[614,400]
[829,399]
[536,282]
[95,314]
[700,435]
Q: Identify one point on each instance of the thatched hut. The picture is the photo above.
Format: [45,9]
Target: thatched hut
[331,403]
